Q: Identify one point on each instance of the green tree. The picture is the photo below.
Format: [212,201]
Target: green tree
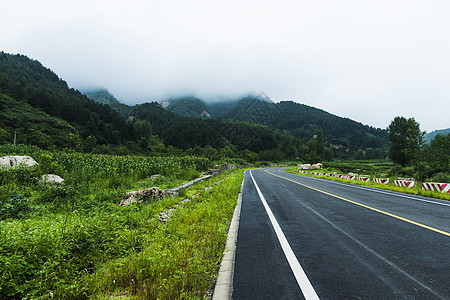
[437,154]
[406,140]
[360,155]
[320,144]
[328,154]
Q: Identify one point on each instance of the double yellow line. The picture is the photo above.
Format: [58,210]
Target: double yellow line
[365,206]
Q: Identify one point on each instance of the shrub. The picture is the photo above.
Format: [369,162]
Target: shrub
[14,206]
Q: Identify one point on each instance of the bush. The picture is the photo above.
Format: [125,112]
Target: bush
[14,206]
[441,177]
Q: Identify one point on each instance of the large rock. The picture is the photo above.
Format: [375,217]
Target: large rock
[316,166]
[13,161]
[151,194]
[304,166]
[51,178]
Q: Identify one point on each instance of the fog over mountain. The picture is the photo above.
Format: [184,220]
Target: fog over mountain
[366,60]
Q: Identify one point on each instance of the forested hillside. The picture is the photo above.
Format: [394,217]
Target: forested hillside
[429,136]
[341,134]
[105,97]
[40,109]
[26,84]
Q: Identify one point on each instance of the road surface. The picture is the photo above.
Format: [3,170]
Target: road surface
[301,237]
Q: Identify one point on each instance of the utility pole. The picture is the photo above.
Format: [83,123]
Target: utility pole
[15,135]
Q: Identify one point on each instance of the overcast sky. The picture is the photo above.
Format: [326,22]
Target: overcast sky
[363,59]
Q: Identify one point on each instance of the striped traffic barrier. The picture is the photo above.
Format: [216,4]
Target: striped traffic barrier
[363,178]
[351,177]
[381,180]
[405,183]
[338,175]
[435,186]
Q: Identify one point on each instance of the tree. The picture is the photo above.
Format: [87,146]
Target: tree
[437,154]
[360,155]
[406,140]
[320,144]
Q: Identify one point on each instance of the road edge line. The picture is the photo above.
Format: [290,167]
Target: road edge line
[224,285]
[299,274]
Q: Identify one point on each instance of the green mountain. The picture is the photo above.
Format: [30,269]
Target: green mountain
[188,107]
[103,96]
[299,120]
[41,107]
[22,123]
[37,107]
[429,136]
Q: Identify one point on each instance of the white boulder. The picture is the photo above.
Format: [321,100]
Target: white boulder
[304,166]
[51,178]
[12,161]
[316,166]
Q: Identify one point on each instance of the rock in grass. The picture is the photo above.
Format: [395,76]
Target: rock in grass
[12,161]
[146,195]
[51,178]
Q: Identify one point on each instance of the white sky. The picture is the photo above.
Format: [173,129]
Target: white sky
[363,59]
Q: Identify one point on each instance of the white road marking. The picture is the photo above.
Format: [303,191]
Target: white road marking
[302,280]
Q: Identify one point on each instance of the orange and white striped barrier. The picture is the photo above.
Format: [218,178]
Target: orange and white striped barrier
[438,187]
[363,178]
[381,180]
[405,183]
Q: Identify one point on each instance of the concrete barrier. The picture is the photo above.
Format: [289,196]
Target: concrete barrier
[381,180]
[363,179]
[435,186]
[405,183]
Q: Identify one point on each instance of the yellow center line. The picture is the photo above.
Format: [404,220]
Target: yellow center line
[366,206]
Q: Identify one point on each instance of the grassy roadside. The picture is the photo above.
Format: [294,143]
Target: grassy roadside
[73,241]
[179,259]
[414,191]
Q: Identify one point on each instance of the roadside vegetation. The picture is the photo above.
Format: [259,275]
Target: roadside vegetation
[73,241]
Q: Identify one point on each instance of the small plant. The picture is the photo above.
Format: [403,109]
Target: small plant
[14,206]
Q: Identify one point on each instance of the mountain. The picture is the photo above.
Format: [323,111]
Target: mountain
[105,97]
[186,132]
[188,106]
[22,123]
[297,119]
[41,107]
[38,108]
[429,136]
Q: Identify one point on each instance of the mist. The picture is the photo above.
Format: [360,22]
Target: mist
[365,60]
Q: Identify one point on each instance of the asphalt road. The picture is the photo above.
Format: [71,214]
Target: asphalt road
[347,241]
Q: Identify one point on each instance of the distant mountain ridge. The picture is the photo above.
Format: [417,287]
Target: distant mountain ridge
[103,96]
[39,108]
[44,111]
[294,118]
[430,135]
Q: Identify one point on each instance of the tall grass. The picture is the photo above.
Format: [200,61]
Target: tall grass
[73,241]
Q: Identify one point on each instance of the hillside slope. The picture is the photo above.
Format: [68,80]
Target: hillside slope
[26,83]
[429,136]
[297,119]
[103,96]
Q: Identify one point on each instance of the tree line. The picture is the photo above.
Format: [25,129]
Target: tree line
[413,156]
